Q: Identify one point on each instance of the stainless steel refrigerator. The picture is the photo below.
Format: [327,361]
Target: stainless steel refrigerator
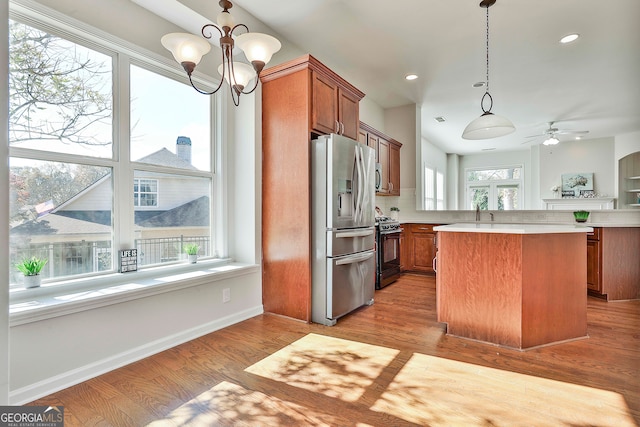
[343,231]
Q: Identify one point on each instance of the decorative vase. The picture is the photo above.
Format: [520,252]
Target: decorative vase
[32,281]
[193,259]
[581,216]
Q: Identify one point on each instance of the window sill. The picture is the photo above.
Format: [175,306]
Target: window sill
[60,299]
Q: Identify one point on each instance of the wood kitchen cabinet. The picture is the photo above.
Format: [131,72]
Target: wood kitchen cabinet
[420,248]
[613,269]
[299,102]
[387,155]
[334,108]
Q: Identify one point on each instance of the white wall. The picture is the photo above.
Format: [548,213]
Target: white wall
[626,144]
[400,124]
[4,207]
[594,155]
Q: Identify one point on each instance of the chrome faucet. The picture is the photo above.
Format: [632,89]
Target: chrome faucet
[491,216]
[477,213]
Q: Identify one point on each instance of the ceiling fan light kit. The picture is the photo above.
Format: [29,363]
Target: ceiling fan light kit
[488,125]
[188,50]
[552,140]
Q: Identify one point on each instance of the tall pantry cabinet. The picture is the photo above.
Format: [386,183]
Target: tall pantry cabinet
[301,99]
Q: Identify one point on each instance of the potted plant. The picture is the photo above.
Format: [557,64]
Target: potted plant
[191,249]
[394,212]
[31,268]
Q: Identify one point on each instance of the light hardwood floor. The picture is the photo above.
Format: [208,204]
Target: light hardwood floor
[208,381]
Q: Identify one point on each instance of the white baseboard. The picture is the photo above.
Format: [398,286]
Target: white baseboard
[59,382]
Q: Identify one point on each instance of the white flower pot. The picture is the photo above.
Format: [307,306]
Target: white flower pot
[32,281]
[193,259]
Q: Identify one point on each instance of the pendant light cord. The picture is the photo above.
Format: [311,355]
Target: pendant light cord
[487,49]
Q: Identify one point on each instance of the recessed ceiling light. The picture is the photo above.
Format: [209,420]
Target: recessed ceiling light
[488,149]
[411,77]
[569,38]
[439,119]
[479,84]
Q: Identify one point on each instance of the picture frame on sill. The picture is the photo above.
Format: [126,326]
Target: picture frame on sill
[574,183]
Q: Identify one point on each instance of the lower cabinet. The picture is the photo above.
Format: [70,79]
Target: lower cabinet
[613,270]
[419,248]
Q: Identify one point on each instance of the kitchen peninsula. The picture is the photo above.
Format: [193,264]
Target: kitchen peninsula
[515,285]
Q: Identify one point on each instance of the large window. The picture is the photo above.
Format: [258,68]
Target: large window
[494,189]
[69,159]
[433,189]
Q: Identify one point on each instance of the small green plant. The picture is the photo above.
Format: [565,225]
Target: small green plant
[393,208]
[31,266]
[191,249]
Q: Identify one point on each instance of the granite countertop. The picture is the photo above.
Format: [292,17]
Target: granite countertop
[513,228]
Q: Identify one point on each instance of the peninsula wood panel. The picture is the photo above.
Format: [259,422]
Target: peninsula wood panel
[515,290]
[286,197]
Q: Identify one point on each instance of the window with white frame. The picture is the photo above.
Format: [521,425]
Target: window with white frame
[494,188]
[66,155]
[433,189]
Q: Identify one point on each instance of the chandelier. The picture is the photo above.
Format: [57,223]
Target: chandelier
[488,125]
[188,50]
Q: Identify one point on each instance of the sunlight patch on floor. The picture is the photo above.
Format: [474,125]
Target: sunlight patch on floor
[332,366]
[229,404]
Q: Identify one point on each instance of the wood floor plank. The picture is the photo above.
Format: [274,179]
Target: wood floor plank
[206,380]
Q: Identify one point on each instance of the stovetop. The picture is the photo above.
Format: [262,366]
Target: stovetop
[385,223]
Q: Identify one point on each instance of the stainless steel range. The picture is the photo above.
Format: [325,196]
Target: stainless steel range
[388,232]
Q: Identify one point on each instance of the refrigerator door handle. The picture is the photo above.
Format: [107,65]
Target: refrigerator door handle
[354,258]
[358,162]
[362,233]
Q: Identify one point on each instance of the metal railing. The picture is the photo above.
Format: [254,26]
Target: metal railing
[75,258]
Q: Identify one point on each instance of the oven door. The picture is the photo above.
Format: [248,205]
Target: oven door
[388,257]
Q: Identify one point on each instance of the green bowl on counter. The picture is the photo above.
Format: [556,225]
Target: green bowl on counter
[581,216]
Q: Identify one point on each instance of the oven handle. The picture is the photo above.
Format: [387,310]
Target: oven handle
[397,230]
[361,233]
[354,258]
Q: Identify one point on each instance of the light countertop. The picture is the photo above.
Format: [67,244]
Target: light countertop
[514,228]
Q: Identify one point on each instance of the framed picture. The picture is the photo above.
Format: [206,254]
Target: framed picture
[575,183]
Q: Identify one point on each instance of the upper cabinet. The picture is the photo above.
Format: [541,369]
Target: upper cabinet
[334,108]
[334,103]
[387,156]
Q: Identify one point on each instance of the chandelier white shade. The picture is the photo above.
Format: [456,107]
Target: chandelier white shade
[186,47]
[488,125]
[552,140]
[258,49]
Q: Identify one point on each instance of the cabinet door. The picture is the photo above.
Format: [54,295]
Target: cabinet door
[363,137]
[324,107]
[424,249]
[383,159]
[593,266]
[348,114]
[394,170]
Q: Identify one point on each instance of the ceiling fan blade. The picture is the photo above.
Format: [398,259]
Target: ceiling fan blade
[572,132]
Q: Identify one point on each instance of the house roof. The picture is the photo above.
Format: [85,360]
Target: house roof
[193,213]
[164,157]
[60,224]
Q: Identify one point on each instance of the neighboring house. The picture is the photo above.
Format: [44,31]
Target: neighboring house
[76,236]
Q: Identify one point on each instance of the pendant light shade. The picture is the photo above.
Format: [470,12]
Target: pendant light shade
[488,125]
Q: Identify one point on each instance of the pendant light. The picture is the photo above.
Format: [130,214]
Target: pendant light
[258,48]
[488,125]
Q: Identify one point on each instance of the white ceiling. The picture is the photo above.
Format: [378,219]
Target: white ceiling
[591,84]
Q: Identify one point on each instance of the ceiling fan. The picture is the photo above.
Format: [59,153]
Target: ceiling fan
[551,134]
